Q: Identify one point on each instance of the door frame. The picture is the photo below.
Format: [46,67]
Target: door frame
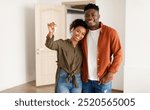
[82,2]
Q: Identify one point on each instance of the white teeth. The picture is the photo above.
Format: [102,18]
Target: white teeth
[90,21]
[77,38]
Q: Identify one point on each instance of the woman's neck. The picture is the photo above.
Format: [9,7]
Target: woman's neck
[74,43]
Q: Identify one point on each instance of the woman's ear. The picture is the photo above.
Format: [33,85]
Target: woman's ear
[71,30]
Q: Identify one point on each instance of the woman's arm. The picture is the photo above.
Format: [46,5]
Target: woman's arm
[50,43]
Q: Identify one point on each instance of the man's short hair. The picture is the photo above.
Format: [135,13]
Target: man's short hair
[91,6]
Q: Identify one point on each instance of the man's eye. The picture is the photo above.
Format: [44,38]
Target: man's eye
[86,15]
[93,14]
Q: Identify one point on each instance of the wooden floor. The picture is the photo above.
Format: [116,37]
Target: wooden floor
[31,88]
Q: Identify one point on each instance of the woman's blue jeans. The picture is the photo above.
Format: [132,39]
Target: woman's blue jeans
[68,87]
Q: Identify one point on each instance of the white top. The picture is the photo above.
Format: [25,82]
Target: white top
[92,41]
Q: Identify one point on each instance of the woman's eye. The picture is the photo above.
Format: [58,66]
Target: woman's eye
[78,31]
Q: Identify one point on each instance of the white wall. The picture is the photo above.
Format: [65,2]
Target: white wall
[58,2]
[16,42]
[112,13]
[137,52]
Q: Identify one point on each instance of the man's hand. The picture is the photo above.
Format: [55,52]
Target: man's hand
[106,78]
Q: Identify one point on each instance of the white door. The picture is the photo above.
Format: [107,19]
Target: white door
[45,58]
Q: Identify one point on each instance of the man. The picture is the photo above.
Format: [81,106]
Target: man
[102,53]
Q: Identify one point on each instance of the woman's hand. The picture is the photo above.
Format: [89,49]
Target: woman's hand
[51,28]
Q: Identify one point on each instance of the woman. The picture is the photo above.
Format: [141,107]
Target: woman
[69,56]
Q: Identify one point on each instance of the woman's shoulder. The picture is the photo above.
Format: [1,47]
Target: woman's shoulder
[63,41]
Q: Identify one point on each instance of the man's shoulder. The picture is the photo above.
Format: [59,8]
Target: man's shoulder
[108,28]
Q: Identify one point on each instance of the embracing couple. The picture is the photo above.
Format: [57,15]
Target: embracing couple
[88,61]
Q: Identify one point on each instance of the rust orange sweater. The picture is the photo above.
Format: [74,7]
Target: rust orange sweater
[108,45]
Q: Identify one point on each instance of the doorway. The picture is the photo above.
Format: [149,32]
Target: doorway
[74,10]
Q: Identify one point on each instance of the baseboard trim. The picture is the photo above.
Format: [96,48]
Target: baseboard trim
[117,91]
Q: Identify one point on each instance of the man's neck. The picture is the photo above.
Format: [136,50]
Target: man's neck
[94,27]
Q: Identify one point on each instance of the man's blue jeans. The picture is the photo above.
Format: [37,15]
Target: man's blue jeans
[64,87]
[94,87]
